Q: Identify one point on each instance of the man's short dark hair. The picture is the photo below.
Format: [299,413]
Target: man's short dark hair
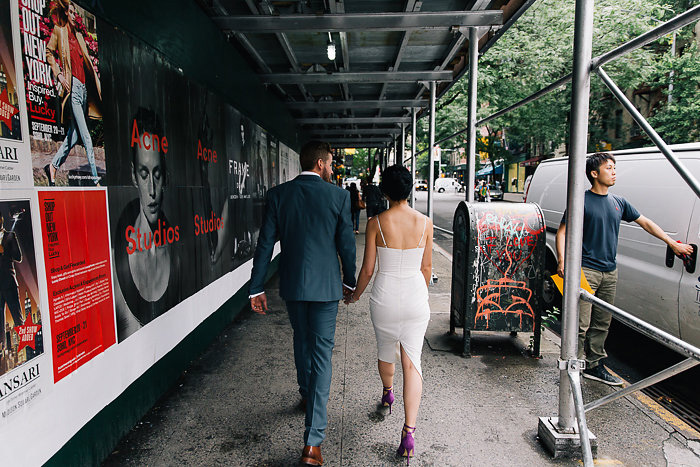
[594,161]
[396,182]
[312,152]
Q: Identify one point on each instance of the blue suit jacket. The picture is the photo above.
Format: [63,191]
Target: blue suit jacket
[312,220]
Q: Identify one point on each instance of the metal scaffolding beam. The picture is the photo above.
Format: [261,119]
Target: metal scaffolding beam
[444,20]
[364,104]
[356,77]
[356,131]
[353,120]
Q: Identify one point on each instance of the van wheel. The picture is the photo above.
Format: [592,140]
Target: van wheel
[441,190]
[551,298]
[461,190]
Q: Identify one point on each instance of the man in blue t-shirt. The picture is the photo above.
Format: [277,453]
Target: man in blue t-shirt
[601,226]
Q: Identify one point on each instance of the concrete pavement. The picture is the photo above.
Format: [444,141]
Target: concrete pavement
[237,404]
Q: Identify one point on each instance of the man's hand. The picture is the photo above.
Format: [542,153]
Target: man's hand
[560,268]
[680,249]
[2,249]
[348,299]
[347,292]
[259,304]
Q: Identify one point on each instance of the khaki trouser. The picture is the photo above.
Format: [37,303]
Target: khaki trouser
[593,324]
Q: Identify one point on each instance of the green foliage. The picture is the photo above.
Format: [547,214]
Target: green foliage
[537,50]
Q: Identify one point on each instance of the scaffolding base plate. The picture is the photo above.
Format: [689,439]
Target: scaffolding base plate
[562,445]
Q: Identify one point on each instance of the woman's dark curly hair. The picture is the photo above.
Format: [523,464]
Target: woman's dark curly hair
[396,183]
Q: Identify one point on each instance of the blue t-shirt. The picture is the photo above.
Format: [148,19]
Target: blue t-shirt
[601,226]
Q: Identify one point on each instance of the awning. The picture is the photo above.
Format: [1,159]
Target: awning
[484,172]
[489,170]
[530,162]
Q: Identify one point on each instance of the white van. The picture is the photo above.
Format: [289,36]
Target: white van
[666,297]
[448,184]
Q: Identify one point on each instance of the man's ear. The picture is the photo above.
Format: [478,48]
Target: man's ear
[594,174]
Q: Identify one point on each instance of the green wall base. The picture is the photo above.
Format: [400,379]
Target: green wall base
[96,440]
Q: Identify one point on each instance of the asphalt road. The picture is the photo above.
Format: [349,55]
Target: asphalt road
[444,206]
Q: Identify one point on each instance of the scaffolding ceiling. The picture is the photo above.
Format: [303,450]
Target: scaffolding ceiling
[386,54]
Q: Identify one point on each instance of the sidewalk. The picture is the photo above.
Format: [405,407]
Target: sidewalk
[237,404]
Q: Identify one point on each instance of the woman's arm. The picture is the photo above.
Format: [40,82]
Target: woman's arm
[51,58]
[370,256]
[426,265]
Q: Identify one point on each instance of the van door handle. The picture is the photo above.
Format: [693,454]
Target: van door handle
[670,257]
[690,260]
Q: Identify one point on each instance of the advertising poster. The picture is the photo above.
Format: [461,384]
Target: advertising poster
[150,177]
[284,163]
[15,159]
[10,127]
[208,233]
[242,186]
[78,275]
[21,340]
[63,92]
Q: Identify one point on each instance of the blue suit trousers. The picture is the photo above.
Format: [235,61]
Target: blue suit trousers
[314,337]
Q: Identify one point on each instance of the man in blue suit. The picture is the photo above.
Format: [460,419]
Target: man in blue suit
[311,219]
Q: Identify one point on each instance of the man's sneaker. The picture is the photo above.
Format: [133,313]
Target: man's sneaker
[600,373]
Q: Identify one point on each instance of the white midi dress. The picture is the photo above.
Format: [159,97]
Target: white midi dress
[398,303]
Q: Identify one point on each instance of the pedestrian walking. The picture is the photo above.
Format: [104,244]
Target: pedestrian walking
[311,218]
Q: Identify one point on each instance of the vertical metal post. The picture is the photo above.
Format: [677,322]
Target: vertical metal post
[471,115]
[414,111]
[580,93]
[670,75]
[402,145]
[394,158]
[431,149]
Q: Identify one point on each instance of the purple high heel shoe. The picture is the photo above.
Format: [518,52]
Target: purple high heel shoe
[388,397]
[407,447]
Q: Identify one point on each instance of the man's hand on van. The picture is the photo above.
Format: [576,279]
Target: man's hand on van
[681,249]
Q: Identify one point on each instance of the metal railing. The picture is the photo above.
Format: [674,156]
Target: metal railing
[570,395]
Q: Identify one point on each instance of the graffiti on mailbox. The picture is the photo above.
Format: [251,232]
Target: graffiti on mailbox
[506,242]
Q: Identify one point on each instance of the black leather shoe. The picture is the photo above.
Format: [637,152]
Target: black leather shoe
[47,171]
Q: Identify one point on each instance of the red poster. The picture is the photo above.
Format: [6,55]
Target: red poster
[78,275]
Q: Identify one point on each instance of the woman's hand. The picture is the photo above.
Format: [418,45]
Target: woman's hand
[351,299]
[63,81]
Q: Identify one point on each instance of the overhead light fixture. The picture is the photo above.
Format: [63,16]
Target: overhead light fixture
[331,50]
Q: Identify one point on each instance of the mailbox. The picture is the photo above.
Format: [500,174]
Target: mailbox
[497,269]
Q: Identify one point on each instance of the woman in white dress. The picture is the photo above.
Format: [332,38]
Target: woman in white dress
[402,239]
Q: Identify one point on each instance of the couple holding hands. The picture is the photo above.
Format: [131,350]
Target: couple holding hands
[311,218]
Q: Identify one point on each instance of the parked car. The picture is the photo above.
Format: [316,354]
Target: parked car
[446,183]
[421,185]
[496,193]
[664,295]
[526,186]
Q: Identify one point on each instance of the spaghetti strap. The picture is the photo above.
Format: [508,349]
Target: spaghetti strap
[425,224]
[381,233]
